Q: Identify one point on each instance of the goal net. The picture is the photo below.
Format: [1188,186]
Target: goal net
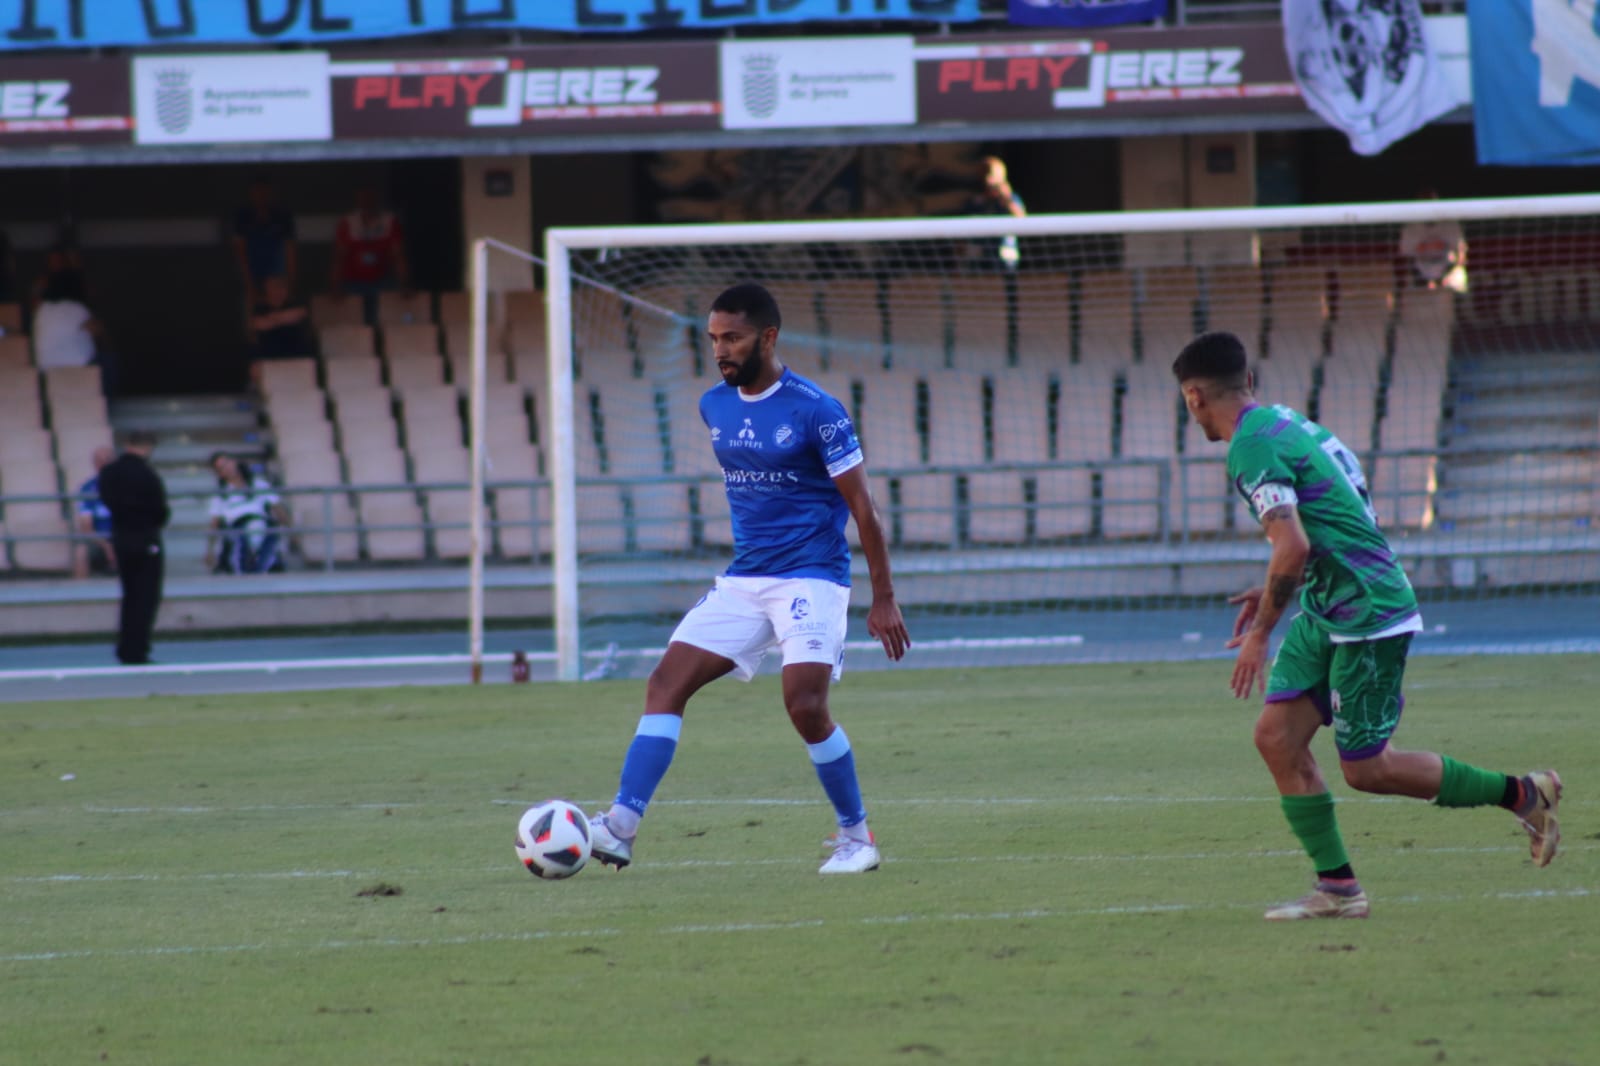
[1045,494]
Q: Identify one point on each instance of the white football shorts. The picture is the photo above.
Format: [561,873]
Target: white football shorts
[742,618]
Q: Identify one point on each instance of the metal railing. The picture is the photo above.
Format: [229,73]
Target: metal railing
[1170,510]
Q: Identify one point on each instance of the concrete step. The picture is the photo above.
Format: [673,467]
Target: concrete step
[1529,374]
[1578,405]
[155,406]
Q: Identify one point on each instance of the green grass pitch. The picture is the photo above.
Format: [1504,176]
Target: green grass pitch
[1076,860]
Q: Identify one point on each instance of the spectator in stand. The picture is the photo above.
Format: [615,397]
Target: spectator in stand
[247,517]
[369,253]
[996,197]
[1435,252]
[279,327]
[93,553]
[61,259]
[264,242]
[65,332]
[137,499]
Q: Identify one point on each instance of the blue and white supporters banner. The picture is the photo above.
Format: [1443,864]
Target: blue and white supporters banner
[1085,12]
[1536,81]
[35,24]
[1366,67]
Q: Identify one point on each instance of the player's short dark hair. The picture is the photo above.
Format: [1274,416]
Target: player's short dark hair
[753,302]
[1218,357]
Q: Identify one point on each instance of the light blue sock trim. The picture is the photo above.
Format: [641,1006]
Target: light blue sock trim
[660,725]
[837,746]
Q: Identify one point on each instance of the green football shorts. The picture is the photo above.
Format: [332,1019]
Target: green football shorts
[1356,686]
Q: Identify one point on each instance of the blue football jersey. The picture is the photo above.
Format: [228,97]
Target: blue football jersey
[780,452]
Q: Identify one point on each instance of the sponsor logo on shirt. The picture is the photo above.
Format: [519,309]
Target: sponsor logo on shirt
[799,607]
[746,437]
[832,429]
[760,477]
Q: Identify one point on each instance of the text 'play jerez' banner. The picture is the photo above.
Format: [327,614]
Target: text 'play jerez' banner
[1084,12]
[1536,81]
[33,24]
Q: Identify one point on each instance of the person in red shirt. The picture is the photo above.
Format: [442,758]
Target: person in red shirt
[369,254]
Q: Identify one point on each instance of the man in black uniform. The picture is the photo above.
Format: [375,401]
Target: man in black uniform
[137,499]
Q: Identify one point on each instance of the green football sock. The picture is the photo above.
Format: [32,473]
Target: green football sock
[1468,786]
[1312,819]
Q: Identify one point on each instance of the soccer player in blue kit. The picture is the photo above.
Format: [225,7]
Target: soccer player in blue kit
[794,475]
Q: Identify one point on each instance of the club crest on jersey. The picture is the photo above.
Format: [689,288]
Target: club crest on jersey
[785,436]
[799,608]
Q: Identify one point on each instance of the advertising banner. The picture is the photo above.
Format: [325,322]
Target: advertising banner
[264,97]
[1081,13]
[64,101]
[1366,68]
[617,88]
[1536,82]
[1226,70]
[834,81]
[34,24]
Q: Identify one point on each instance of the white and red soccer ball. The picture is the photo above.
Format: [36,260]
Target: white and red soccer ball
[553,839]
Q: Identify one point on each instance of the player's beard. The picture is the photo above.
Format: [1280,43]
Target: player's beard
[747,372]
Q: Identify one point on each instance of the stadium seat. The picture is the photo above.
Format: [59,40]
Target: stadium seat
[955,442]
[75,448]
[405,308]
[979,324]
[602,522]
[509,459]
[888,423]
[716,520]
[345,341]
[356,374]
[441,459]
[391,521]
[15,350]
[410,339]
[997,499]
[37,520]
[288,378]
[363,419]
[327,310]
[629,428]
[919,325]
[458,356]
[1207,498]
[24,444]
[10,318]
[1233,303]
[1133,499]
[455,308]
[1084,420]
[73,381]
[1044,321]
[1169,296]
[505,415]
[1286,377]
[526,306]
[800,341]
[313,432]
[1347,401]
[314,514]
[1105,316]
[855,325]
[410,373]
[530,370]
[436,407]
[20,386]
[659,333]
[878,487]
[687,437]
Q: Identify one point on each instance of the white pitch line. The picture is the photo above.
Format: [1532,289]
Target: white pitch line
[386,662]
[734,928]
[1244,855]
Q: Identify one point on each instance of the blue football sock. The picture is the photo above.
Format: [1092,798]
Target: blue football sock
[836,769]
[654,743]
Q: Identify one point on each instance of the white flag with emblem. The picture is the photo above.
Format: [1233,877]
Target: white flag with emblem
[1365,67]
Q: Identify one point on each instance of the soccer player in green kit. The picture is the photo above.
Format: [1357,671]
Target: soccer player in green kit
[1342,660]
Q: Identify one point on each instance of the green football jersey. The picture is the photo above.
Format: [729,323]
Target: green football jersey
[1354,586]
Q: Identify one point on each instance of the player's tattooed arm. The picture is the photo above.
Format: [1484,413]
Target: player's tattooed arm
[1286,568]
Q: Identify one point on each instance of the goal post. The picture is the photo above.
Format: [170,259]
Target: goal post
[1026,444]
